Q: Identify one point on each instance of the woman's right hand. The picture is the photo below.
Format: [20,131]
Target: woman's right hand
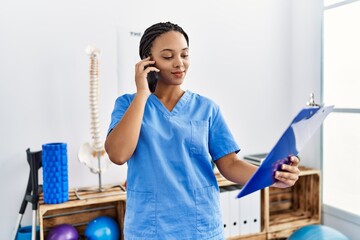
[142,69]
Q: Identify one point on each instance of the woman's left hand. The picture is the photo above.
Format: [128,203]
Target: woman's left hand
[289,174]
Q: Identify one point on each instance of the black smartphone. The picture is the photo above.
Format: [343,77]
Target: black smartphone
[152,79]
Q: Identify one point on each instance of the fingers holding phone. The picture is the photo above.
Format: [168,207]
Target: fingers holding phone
[146,75]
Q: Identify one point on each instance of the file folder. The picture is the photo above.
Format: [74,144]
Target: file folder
[299,132]
[225,210]
[236,208]
[245,208]
[255,212]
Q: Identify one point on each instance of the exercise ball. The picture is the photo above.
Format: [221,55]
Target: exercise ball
[102,228]
[63,232]
[318,232]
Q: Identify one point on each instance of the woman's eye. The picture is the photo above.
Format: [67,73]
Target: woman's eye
[165,57]
[185,56]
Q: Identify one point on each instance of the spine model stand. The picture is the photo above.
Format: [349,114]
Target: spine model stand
[92,155]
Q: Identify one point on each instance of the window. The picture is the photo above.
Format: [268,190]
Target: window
[341,87]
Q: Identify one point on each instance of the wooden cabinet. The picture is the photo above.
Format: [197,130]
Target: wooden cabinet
[282,210]
[77,212]
[285,210]
[288,209]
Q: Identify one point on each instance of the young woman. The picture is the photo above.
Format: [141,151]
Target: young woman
[169,138]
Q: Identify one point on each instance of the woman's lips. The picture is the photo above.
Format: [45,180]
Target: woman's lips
[179,74]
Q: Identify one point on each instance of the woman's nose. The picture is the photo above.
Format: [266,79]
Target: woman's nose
[178,62]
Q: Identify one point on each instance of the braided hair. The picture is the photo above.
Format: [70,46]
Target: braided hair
[155,31]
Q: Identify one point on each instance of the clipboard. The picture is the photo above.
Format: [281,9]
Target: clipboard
[299,132]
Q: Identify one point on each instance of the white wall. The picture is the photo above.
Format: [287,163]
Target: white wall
[345,222]
[249,56]
[306,77]
[306,65]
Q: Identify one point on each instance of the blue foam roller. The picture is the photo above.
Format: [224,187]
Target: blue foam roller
[319,232]
[55,173]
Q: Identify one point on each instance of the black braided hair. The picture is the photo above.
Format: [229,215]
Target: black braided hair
[155,31]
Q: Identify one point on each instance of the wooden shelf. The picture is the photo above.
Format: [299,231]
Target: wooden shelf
[288,209]
[285,210]
[110,202]
[256,236]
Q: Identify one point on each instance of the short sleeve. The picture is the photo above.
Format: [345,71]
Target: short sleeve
[221,141]
[121,105]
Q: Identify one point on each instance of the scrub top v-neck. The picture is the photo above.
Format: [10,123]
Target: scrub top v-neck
[172,192]
[179,106]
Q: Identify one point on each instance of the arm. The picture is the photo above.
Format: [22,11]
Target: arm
[240,171]
[122,140]
[234,169]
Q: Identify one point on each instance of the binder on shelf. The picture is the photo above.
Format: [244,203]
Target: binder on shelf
[255,216]
[245,211]
[225,210]
[235,212]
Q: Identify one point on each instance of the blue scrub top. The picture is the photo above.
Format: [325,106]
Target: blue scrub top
[172,192]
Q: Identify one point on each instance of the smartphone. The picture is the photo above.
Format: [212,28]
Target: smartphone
[152,78]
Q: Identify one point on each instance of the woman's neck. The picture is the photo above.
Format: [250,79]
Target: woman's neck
[169,97]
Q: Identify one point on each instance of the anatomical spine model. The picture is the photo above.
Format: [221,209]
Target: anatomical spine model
[92,154]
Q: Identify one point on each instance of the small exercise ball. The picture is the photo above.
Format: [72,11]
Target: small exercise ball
[102,228]
[63,232]
[318,232]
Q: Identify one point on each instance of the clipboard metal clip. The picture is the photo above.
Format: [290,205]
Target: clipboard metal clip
[311,102]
